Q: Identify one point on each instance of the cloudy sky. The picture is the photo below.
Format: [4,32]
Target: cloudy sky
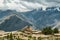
[25,5]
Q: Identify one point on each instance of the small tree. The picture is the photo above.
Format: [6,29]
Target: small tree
[7,36]
[19,38]
[11,36]
[56,30]
[47,30]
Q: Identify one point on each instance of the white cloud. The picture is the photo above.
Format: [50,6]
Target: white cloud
[25,5]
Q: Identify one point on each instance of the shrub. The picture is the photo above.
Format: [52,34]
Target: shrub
[56,30]
[47,30]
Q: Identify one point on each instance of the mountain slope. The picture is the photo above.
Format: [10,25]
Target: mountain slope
[13,23]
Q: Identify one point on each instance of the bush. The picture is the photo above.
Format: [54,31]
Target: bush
[56,30]
[47,30]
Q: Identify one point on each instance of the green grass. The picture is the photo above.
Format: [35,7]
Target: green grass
[1,38]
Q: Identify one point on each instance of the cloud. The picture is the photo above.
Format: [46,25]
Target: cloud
[57,1]
[27,5]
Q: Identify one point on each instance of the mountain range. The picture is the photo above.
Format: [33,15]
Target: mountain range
[11,20]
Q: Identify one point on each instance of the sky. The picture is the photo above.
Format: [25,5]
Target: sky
[27,5]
